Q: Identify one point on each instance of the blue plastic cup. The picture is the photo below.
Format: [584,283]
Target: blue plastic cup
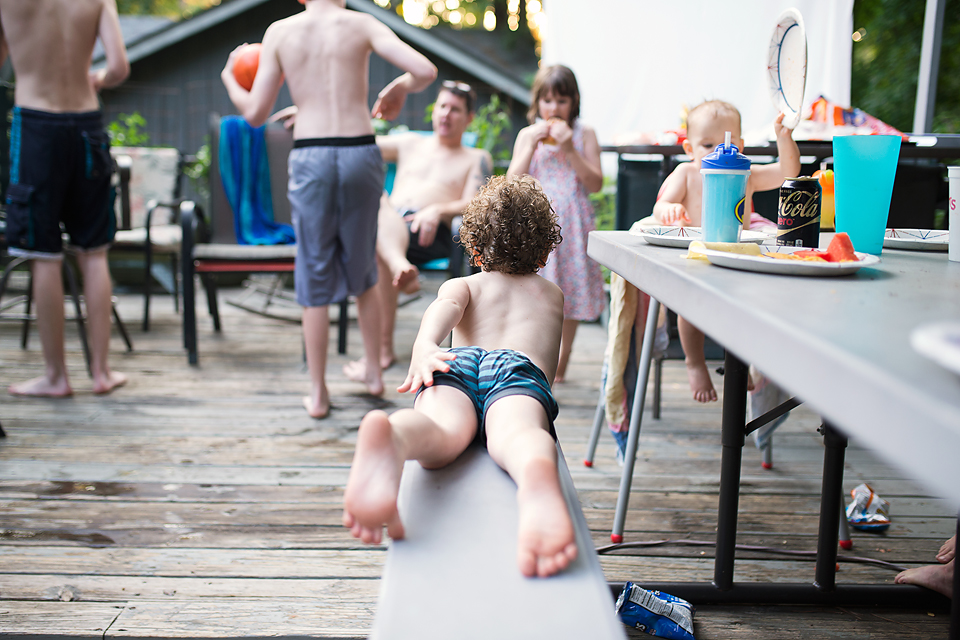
[725,173]
[864,168]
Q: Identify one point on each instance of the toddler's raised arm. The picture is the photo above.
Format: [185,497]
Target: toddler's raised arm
[771,176]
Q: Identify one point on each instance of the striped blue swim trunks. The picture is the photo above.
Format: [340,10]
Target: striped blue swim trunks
[486,376]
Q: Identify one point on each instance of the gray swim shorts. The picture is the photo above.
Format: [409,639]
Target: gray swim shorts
[334,189]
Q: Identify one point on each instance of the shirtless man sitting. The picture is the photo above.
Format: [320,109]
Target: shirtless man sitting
[436,179]
[60,169]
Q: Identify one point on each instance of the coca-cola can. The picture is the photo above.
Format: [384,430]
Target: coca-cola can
[798,218]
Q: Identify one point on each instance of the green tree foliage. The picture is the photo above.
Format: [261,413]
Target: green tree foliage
[168,8]
[886,62]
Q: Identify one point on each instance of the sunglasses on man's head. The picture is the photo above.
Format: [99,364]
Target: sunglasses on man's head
[456,86]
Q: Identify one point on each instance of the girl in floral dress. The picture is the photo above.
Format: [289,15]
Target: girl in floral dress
[564,155]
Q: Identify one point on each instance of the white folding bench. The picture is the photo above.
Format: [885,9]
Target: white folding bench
[455,573]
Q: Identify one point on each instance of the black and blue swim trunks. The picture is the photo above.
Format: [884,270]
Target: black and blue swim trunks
[486,376]
[60,170]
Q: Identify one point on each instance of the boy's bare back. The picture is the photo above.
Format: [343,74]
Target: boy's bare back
[50,43]
[323,55]
[504,311]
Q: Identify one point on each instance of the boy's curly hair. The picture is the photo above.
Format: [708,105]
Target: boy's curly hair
[510,226]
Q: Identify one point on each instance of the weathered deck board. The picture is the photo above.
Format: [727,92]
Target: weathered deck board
[203,502]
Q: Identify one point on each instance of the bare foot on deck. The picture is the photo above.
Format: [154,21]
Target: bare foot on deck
[948,551]
[407,279]
[938,577]
[359,372]
[700,382]
[370,500]
[315,409]
[106,384]
[42,388]
[546,543]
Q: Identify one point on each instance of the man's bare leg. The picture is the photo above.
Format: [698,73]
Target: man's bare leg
[393,240]
[48,298]
[98,292]
[367,370]
[566,346]
[316,338]
[435,433]
[692,339]
[518,441]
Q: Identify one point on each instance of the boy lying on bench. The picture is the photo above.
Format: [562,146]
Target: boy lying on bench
[492,385]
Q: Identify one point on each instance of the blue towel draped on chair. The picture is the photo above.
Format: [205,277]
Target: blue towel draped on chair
[246,181]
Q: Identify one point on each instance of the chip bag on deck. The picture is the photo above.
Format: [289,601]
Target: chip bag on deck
[656,613]
[868,511]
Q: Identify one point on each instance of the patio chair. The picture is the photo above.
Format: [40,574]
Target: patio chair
[149,189]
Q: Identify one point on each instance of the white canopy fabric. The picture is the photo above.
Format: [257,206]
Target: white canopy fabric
[638,62]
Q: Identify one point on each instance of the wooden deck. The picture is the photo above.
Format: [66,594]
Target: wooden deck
[203,502]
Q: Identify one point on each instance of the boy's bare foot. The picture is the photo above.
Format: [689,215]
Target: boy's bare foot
[407,279]
[359,372]
[546,543]
[370,500]
[938,577]
[42,388]
[316,409]
[387,360]
[700,382]
[109,382]
[948,551]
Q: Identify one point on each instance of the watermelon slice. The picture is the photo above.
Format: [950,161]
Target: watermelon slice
[841,249]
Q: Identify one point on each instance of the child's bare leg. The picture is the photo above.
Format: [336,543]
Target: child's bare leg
[566,346]
[692,339]
[435,433]
[948,551]
[367,370]
[98,291]
[519,441]
[48,297]
[393,240]
[388,314]
[938,577]
[316,337]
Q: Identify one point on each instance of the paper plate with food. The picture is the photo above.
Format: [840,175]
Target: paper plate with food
[681,237]
[917,239]
[838,259]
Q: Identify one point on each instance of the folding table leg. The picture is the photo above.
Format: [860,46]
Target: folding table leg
[633,434]
[826,572]
[846,542]
[595,432]
[732,434]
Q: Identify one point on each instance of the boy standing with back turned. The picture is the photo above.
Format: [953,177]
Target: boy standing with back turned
[493,385]
[60,170]
[336,171]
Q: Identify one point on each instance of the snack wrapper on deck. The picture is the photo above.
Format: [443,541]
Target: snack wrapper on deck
[868,511]
[656,613]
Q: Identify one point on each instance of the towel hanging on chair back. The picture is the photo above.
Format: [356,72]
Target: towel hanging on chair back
[246,181]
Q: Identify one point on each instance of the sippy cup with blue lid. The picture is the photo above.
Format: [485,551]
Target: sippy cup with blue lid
[725,172]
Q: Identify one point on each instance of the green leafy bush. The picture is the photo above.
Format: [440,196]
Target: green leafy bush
[126,131]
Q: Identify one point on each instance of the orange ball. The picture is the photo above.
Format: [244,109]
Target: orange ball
[245,65]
